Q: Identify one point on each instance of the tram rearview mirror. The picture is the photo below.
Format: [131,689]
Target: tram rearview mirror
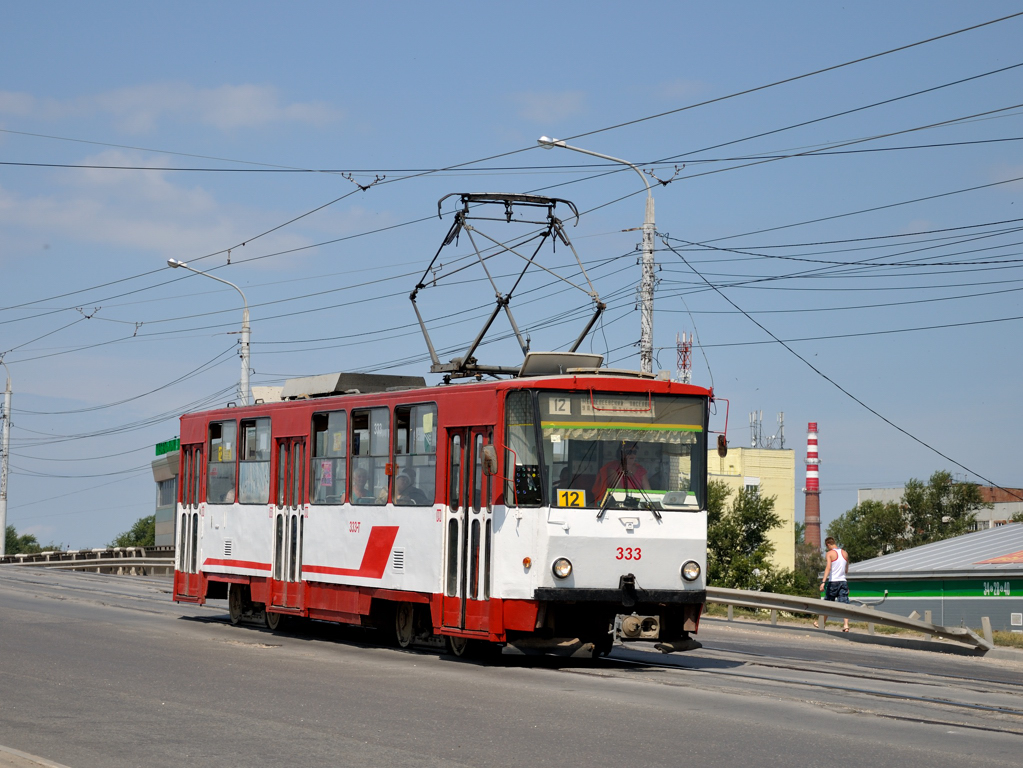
[722,446]
[489,460]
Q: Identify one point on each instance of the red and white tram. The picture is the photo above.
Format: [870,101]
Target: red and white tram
[552,512]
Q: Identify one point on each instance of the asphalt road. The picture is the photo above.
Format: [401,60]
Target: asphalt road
[106,671]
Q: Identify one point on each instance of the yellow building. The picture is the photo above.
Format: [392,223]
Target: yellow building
[774,473]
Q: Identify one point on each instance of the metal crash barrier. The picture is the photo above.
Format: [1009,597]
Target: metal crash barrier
[775,602]
[132,561]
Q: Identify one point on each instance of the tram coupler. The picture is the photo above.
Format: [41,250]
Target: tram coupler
[627,584]
[636,627]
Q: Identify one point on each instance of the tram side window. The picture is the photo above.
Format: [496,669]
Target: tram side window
[254,462]
[522,459]
[370,453]
[330,448]
[221,474]
[415,455]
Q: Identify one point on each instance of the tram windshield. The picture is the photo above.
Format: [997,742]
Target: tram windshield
[636,451]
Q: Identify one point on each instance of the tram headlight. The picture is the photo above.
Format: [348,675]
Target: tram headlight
[690,570]
[562,568]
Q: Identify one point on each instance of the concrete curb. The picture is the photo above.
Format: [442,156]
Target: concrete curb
[12,758]
[891,641]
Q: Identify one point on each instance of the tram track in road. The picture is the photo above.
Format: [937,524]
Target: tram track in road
[973,697]
[906,675]
[940,711]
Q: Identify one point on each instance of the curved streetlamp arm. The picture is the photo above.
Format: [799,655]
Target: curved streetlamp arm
[243,384]
[646,286]
[547,143]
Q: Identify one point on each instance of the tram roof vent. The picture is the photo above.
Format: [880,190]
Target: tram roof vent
[328,384]
[557,363]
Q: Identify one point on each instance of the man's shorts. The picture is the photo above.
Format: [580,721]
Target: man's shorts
[837,591]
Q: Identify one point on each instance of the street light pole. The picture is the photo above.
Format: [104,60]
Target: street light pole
[243,384]
[6,444]
[646,284]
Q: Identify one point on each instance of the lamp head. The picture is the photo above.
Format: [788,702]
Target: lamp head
[548,143]
[175,263]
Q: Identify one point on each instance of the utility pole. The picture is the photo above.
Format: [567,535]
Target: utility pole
[3,467]
[646,283]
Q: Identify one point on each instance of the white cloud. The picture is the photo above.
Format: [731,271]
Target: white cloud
[678,89]
[549,106]
[916,225]
[1005,172]
[138,210]
[139,109]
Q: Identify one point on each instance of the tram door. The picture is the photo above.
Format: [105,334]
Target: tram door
[468,532]
[288,523]
[188,581]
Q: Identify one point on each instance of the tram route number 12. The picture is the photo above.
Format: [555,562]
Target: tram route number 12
[570,498]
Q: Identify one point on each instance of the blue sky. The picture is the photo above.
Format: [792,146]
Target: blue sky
[90,317]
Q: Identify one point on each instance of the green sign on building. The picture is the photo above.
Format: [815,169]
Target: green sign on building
[168,446]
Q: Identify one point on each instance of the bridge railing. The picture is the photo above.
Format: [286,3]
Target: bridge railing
[140,561]
[772,601]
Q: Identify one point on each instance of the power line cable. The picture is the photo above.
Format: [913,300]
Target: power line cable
[834,383]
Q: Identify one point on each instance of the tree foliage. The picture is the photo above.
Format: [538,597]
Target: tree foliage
[940,509]
[738,551]
[809,565]
[141,534]
[871,529]
[26,544]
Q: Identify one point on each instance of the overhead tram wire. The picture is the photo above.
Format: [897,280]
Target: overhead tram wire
[541,169]
[727,237]
[835,384]
[580,135]
[693,176]
[884,305]
[208,365]
[832,68]
[916,263]
[858,334]
[846,112]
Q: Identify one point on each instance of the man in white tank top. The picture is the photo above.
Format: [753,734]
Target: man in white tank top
[835,585]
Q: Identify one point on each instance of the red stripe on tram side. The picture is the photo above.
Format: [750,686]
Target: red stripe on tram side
[237,563]
[374,559]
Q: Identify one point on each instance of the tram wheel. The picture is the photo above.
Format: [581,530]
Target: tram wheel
[459,646]
[274,621]
[236,599]
[405,624]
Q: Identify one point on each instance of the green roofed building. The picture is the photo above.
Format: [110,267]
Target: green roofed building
[959,580]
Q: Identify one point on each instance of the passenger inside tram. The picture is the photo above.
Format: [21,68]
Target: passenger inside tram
[405,491]
[361,492]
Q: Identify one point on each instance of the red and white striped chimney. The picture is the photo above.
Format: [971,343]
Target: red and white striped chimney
[812,491]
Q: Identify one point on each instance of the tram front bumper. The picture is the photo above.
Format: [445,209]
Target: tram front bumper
[622,596]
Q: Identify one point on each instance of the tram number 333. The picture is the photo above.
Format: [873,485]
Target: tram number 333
[353,527]
[628,553]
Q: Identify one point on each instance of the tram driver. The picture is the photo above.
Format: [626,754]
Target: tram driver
[623,472]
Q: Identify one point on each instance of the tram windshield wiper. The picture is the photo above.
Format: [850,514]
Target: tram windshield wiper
[608,496]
